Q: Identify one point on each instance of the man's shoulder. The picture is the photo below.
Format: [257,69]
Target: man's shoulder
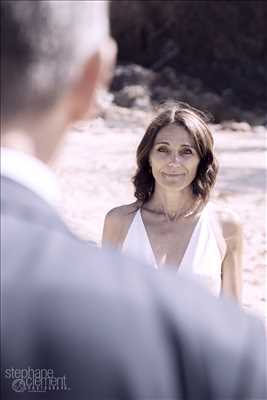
[127,310]
[24,207]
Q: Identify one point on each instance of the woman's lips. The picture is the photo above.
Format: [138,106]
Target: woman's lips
[172,174]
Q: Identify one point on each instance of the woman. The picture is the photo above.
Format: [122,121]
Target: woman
[172,222]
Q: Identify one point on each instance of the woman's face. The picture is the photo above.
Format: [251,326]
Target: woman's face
[173,158]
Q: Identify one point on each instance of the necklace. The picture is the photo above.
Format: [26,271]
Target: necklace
[175,217]
[184,214]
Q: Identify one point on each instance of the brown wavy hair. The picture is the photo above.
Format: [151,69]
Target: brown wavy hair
[195,122]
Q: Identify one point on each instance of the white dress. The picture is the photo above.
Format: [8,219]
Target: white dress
[204,253]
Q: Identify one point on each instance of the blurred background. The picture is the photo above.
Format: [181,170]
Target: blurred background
[210,54]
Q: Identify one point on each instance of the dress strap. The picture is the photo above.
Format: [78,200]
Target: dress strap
[217,229]
[137,243]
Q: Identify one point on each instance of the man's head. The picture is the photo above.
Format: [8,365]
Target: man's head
[52,59]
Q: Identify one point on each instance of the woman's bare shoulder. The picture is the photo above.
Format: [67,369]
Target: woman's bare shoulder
[117,222]
[229,220]
[122,213]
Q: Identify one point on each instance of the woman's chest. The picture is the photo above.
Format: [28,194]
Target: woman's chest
[169,241]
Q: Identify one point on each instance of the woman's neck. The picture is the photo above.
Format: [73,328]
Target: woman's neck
[173,204]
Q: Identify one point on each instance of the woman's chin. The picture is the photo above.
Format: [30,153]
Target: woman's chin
[172,179]
[173,184]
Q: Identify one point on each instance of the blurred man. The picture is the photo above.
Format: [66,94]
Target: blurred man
[78,323]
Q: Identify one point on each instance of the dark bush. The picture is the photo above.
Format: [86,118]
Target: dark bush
[221,43]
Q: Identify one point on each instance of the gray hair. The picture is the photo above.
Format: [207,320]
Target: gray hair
[44,45]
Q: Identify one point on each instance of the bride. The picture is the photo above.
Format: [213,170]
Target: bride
[173,223]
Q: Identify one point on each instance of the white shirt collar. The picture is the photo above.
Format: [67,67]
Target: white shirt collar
[31,173]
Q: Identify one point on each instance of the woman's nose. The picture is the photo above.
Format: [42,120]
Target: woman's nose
[175,159]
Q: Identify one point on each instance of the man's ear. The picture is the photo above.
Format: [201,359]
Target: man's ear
[96,73]
[81,97]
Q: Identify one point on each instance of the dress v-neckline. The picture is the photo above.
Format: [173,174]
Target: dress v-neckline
[188,247]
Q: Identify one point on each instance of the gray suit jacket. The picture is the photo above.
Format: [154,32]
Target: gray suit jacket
[104,327]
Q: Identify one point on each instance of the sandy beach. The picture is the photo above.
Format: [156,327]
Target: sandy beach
[97,161]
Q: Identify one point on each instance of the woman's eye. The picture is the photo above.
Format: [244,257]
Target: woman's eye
[187,151]
[162,149]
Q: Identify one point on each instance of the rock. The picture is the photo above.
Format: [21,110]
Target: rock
[133,96]
[260,129]
[236,126]
[161,93]
[131,74]
[137,87]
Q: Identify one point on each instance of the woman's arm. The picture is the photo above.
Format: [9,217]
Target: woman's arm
[111,231]
[116,225]
[232,263]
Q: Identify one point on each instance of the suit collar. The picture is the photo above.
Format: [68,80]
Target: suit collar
[31,173]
